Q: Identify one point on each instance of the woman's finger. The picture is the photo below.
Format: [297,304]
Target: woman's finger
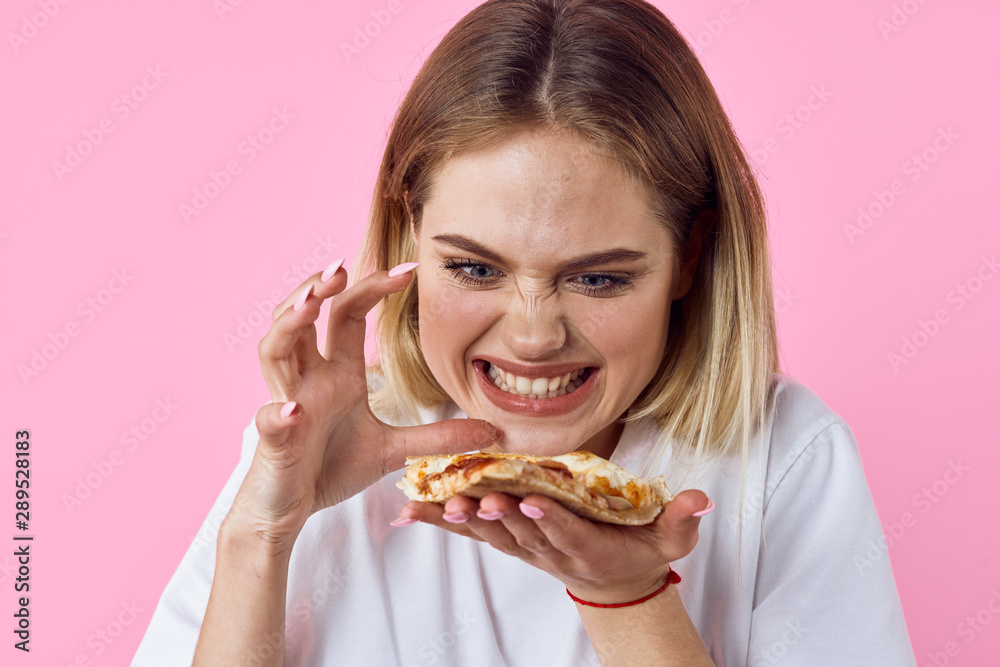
[346,330]
[445,437]
[462,516]
[680,519]
[276,507]
[507,513]
[487,519]
[330,282]
[673,534]
[563,529]
[289,347]
[433,514]
[499,520]
[275,424]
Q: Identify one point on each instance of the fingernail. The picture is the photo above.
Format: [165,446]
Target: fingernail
[456,517]
[287,409]
[402,522]
[402,268]
[531,511]
[301,301]
[711,506]
[490,516]
[332,269]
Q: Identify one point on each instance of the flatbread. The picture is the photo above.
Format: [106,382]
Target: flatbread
[587,484]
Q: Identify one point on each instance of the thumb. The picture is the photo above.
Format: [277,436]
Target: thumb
[274,423]
[451,436]
[679,520]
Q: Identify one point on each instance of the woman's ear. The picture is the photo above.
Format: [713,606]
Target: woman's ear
[702,227]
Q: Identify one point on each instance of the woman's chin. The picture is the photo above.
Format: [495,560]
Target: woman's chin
[536,442]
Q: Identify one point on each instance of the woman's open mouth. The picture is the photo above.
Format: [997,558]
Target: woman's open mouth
[540,387]
[539,396]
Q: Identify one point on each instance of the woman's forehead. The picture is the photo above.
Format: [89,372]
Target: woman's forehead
[540,189]
[545,160]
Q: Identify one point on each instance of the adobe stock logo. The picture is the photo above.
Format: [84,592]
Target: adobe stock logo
[959,296]
[923,501]
[713,28]
[30,25]
[132,439]
[363,36]
[899,17]
[299,631]
[784,300]
[223,7]
[262,313]
[792,635]
[971,627]
[59,340]
[793,121]
[915,167]
[435,649]
[121,107]
[249,149]
[99,641]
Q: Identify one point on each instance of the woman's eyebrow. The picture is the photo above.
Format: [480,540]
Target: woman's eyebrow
[460,242]
[604,257]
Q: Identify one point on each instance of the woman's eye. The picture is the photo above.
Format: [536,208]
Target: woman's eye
[467,271]
[595,281]
[602,284]
[478,271]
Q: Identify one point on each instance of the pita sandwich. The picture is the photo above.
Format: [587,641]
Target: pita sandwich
[587,484]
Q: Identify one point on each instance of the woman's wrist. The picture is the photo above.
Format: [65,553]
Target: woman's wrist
[671,578]
[242,533]
[618,593]
[659,632]
[246,608]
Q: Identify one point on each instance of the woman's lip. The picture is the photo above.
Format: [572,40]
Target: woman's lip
[534,371]
[538,407]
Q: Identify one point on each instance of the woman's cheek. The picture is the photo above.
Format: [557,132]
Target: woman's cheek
[440,304]
[629,334]
[452,317]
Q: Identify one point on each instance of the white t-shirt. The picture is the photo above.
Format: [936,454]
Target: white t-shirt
[818,590]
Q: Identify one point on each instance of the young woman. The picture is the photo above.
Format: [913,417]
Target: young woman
[568,250]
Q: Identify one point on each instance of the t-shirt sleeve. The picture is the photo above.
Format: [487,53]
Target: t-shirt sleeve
[173,630]
[825,592]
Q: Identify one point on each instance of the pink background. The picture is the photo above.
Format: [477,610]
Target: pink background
[846,299]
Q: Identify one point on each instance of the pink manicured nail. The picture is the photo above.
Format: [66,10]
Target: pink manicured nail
[531,511]
[332,269]
[711,506]
[456,517]
[301,301]
[287,409]
[490,516]
[402,522]
[402,268]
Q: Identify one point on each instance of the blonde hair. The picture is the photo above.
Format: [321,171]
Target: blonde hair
[618,74]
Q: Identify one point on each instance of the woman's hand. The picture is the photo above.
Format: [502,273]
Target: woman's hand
[598,562]
[320,443]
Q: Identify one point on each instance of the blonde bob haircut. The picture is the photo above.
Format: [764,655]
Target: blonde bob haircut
[616,73]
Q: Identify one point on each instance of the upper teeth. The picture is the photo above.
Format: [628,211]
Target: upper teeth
[544,387]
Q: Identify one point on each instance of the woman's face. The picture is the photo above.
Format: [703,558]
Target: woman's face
[541,260]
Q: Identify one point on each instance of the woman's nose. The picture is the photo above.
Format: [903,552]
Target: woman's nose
[534,326]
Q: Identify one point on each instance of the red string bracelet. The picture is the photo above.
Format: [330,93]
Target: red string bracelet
[672,578]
